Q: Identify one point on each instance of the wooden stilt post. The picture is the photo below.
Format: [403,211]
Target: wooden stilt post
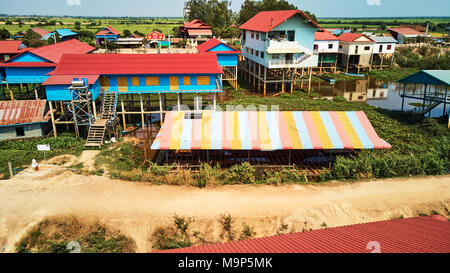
[160,109]
[259,76]
[301,78]
[142,112]
[445,100]
[94,108]
[52,115]
[265,79]
[292,80]
[179,101]
[35,92]
[309,81]
[10,91]
[403,97]
[123,113]
[282,80]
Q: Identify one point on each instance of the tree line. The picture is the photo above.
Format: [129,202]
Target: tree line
[223,21]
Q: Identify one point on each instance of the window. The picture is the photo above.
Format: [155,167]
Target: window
[367,48]
[152,80]
[20,131]
[262,55]
[104,82]
[389,47]
[123,84]
[340,47]
[251,51]
[257,53]
[275,56]
[135,81]
[202,80]
[173,82]
[187,80]
[330,46]
[253,35]
[257,36]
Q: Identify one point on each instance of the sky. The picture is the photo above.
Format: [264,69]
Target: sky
[174,8]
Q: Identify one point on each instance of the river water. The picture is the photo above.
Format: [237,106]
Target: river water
[377,93]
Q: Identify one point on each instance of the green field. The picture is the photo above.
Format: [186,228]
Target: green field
[143,25]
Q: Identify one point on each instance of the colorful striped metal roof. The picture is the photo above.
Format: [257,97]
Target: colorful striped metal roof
[427,234]
[272,130]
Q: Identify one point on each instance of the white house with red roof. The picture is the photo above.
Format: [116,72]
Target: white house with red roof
[280,39]
[326,45]
[356,50]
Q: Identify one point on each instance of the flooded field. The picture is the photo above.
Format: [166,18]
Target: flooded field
[385,95]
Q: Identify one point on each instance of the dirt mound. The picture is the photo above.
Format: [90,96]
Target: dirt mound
[62,234]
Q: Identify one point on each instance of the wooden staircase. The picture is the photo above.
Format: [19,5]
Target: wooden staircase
[109,105]
[96,133]
[98,128]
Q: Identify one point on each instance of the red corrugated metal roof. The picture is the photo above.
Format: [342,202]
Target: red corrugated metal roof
[28,64]
[325,36]
[413,235]
[10,47]
[206,32]
[40,31]
[105,31]
[22,111]
[211,43]
[67,79]
[265,21]
[54,52]
[196,24]
[117,64]
[406,31]
[351,37]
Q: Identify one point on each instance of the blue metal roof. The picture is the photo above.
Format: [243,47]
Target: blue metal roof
[64,32]
[437,77]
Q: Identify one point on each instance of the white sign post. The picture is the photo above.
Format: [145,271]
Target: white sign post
[44,148]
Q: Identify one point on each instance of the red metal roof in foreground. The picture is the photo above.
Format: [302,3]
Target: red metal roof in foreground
[67,79]
[265,21]
[122,64]
[22,111]
[414,235]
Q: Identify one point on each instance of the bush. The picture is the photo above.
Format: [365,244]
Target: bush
[243,173]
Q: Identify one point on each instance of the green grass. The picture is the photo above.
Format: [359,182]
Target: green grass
[21,152]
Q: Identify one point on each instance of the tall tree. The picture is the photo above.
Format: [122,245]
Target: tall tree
[215,13]
[251,7]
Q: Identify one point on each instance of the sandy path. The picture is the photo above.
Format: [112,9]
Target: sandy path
[137,208]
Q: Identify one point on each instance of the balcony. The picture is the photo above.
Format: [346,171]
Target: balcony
[275,46]
[304,61]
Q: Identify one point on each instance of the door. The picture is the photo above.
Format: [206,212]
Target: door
[173,81]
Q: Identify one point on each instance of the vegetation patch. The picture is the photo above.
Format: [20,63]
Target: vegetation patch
[57,235]
[21,152]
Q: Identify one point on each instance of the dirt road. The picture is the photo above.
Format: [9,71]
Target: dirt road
[137,209]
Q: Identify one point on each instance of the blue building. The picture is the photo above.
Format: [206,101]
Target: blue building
[227,58]
[32,66]
[107,34]
[126,83]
